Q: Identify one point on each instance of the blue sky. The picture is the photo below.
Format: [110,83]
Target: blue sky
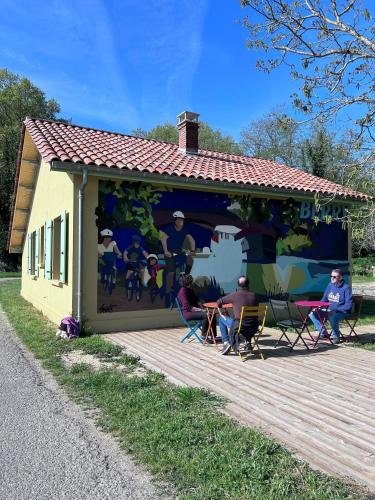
[118,65]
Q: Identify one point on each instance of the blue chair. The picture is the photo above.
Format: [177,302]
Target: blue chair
[192,325]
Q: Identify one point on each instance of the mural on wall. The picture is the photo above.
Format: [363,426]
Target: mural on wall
[149,235]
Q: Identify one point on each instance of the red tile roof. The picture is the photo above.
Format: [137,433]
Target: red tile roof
[70,143]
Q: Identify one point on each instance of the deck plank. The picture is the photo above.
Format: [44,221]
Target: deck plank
[319,403]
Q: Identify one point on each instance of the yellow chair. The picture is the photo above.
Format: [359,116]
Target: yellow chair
[254,312]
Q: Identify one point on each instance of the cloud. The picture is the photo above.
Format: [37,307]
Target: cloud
[115,65]
[167,51]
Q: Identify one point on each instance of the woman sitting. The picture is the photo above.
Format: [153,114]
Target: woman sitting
[191,306]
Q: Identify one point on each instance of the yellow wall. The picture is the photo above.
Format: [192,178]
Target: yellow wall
[107,322]
[54,193]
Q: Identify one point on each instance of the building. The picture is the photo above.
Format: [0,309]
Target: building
[107,222]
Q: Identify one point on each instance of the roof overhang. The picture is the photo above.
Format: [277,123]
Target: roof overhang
[28,164]
[190,182]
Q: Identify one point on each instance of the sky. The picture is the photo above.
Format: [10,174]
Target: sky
[122,64]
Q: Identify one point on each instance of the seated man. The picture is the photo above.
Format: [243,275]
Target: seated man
[339,295]
[243,297]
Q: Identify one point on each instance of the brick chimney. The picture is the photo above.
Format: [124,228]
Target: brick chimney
[187,124]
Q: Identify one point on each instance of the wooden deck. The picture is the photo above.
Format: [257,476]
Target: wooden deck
[320,404]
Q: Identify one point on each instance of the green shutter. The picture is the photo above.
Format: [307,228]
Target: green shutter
[29,253]
[48,249]
[44,249]
[62,246]
[36,256]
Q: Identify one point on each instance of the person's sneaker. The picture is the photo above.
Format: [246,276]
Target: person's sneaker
[226,348]
[335,340]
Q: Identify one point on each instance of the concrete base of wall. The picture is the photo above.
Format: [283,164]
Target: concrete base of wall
[168,319]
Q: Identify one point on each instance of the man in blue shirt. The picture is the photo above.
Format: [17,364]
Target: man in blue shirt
[339,296]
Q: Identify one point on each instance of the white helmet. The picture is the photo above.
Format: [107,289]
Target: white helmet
[106,232]
[152,256]
[178,215]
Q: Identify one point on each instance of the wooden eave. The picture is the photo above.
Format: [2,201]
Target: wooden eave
[27,171]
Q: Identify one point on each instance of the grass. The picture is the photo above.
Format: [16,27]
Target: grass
[357,278]
[177,432]
[10,274]
[367,312]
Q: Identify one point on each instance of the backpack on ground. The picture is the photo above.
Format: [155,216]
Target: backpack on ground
[69,328]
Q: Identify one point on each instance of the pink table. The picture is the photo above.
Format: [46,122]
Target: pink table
[309,305]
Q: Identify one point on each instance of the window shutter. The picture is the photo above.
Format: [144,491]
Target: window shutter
[48,249]
[62,246]
[36,257]
[29,253]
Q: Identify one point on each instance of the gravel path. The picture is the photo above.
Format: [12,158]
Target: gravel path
[367,289]
[48,448]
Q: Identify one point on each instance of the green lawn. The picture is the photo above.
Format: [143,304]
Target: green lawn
[178,433]
[368,312]
[7,274]
[362,279]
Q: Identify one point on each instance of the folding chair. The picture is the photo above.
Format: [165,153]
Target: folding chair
[352,320]
[254,312]
[193,325]
[284,320]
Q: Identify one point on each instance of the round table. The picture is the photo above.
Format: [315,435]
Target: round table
[212,308]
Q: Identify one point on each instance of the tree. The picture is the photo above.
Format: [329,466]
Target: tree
[274,137]
[318,152]
[209,138]
[18,98]
[328,45]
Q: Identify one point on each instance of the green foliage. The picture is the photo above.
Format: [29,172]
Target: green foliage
[135,202]
[274,136]
[209,138]
[251,210]
[317,153]
[292,243]
[363,265]
[18,98]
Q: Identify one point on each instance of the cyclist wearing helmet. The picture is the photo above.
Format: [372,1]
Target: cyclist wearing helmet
[108,252]
[153,267]
[134,258]
[172,241]
[107,245]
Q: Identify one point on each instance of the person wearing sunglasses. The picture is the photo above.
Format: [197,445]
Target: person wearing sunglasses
[339,295]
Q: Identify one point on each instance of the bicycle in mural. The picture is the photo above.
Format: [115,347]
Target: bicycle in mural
[172,286]
[134,282]
[108,271]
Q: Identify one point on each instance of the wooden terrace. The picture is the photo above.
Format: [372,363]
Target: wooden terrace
[320,403]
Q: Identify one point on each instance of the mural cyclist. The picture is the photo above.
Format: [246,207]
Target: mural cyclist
[135,261]
[172,240]
[153,267]
[108,252]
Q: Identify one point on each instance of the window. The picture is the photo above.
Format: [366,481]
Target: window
[41,247]
[31,253]
[56,248]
